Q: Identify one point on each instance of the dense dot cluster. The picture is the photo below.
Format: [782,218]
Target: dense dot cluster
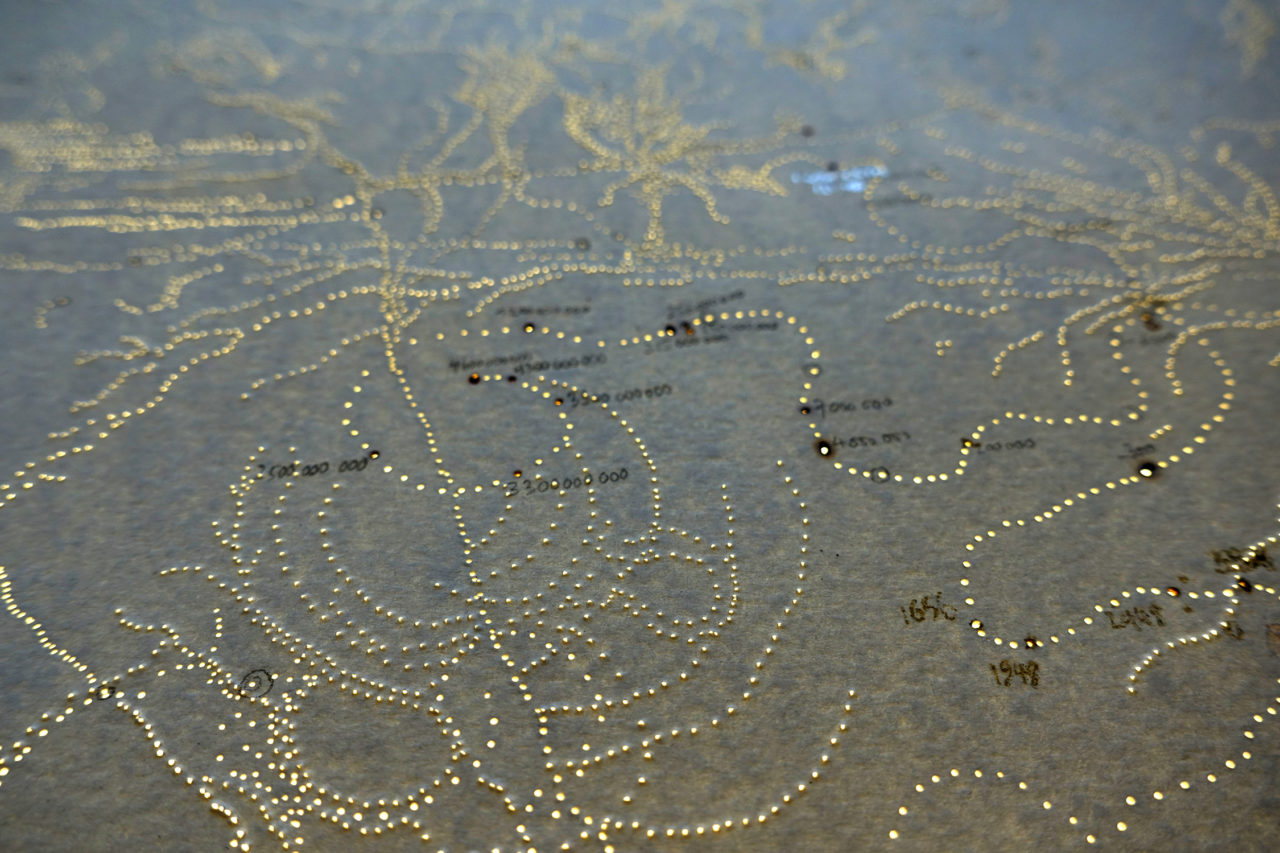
[564,610]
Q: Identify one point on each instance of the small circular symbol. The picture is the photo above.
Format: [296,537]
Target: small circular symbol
[257,682]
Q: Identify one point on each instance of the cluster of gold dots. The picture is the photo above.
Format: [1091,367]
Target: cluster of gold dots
[1144,471]
[643,146]
[324,668]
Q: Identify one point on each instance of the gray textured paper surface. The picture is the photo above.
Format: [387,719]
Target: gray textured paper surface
[725,426]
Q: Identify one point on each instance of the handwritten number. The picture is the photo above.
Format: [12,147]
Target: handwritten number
[1028,673]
